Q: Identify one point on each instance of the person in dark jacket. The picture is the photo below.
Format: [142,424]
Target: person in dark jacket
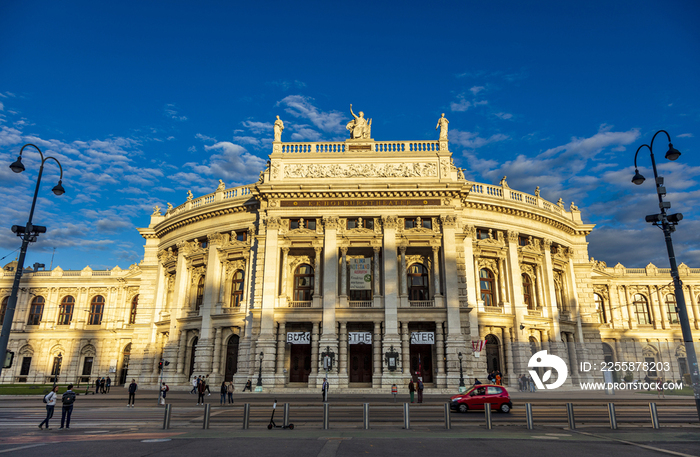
[132,393]
[97,385]
[109,383]
[68,399]
[420,390]
[411,389]
[224,392]
[201,388]
[248,386]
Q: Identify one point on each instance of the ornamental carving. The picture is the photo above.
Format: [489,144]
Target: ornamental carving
[489,264]
[215,238]
[390,222]
[273,223]
[680,352]
[275,170]
[425,261]
[649,351]
[602,291]
[529,270]
[470,231]
[388,170]
[232,266]
[331,222]
[448,221]
[512,235]
[295,261]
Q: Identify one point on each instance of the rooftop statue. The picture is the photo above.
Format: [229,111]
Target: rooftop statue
[360,128]
[442,124]
[279,126]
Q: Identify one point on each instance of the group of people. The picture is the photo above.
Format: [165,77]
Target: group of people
[526,383]
[413,387]
[226,391]
[67,400]
[200,386]
[102,385]
[495,377]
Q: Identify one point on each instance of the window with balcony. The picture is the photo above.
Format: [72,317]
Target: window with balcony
[418,289]
[3,308]
[359,222]
[242,235]
[528,299]
[237,289]
[303,283]
[413,222]
[302,223]
[486,284]
[65,310]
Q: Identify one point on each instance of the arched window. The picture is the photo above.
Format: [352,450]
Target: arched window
[418,282]
[600,309]
[134,308]
[97,309]
[303,283]
[200,294]
[486,281]
[3,308]
[641,309]
[527,292]
[36,311]
[671,308]
[65,310]
[237,289]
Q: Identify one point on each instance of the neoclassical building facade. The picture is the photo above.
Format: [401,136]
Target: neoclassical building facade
[378,256]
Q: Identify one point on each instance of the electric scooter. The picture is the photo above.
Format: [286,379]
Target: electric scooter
[272,420]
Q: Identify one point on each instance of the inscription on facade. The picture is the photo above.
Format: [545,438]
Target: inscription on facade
[391,202]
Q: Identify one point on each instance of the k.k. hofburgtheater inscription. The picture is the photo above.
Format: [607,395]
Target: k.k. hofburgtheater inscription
[349,203]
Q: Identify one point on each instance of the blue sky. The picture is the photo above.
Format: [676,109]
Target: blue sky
[141,101]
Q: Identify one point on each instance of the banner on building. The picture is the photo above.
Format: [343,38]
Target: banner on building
[422,338]
[113,366]
[359,338]
[360,274]
[299,337]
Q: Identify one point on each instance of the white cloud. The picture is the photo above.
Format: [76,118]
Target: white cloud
[504,115]
[257,127]
[476,89]
[590,147]
[205,138]
[685,135]
[460,105]
[472,140]
[171,111]
[300,106]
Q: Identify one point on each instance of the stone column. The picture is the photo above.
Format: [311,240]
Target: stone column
[376,271]
[665,320]
[377,356]
[615,312]
[217,353]
[654,307]
[343,361]
[344,272]
[440,354]
[436,270]
[691,305]
[182,352]
[540,295]
[472,278]
[404,277]
[630,309]
[285,268]
[515,284]
[281,340]
[405,349]
[271,259]
[317,272]
[573,360]
[453,326]
[314,351]
[330,284]
[503,298]
[506,337]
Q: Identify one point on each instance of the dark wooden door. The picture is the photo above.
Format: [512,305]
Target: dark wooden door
[231,358]
[422,361]
[299,362]
[360,363]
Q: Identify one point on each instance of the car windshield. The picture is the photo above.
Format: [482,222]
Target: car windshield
[479,391]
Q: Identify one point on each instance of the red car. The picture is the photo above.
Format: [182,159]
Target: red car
[475,398]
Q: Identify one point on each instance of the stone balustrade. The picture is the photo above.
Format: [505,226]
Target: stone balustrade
[60,273]
[371,146]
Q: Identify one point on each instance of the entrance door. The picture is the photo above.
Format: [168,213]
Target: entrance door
[125,364]
[231,358]
[361,363]
[492,354]
[299,362]
[422,361]
[192,354]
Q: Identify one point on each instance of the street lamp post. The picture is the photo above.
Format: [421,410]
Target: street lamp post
[28,234]
[668,223]
[57,370]
[462,387]
[258,386]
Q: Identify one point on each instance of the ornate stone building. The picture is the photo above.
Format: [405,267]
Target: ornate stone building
[378,254]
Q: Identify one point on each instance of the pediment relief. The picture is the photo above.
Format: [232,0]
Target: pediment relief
[359,231]
[301,232]
[487,263]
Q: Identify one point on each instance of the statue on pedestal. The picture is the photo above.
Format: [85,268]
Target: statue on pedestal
[279,126]
[442,125]
[360,128]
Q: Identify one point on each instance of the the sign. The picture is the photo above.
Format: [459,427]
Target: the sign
[359,338]
[360,274]
[422,338]
[113,366]
[299,337]
[390,202]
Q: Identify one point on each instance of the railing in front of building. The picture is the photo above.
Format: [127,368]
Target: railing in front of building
[219,195]
[493,309]
[564,316]
[299,304]
[506,193]
[373,146]
[534,312]
[57,273]
[421,303]
[360,303]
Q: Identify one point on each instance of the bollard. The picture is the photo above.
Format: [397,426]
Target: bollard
[365,415]
[611,415]
[406,417]
[487,414]
[570,414]
[326,422]
[246,416]
[448,419]
[654,416]
[528,416]
[166,419]
[207,410]
[286,414]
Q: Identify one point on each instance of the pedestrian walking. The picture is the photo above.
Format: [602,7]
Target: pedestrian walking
[531,383]
[206,384]
[132,393]
[411,389]
[67,399]
[194,384]
[50,400]
[229,390]
[97,385]
[163,392]
[324,390]
[103,385]
[420,390]
[201,388]
[224,392]
[109,383]
[249,386]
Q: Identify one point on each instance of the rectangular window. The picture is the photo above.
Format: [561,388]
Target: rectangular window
[522,240]
[409,223]
[652,364]
[26,364]
[242,235]
[87,366]
[360,223]
[482,234]
[428,223]
[65,314]
[302,223]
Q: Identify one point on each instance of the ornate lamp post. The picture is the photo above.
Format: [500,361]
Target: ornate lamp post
[28,234]
[258,386]
[668,223]
[462,387]
[57,369]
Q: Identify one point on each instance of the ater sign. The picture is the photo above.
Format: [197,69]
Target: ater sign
[422,338]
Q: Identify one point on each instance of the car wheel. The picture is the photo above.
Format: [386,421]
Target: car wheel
[505,408]
[463,408]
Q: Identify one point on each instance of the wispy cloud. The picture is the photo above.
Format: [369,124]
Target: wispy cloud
[171,111]
[302,107]
[685,135]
